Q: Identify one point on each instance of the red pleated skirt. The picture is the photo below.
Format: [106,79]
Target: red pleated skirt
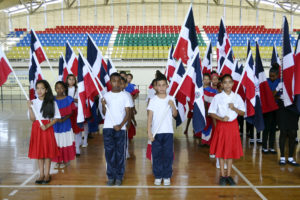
[42,143]
[131,131]
[226,141]
[75,127]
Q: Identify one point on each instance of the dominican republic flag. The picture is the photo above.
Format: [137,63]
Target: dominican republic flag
[192,87]
[5,68]
[207,60]
[268,103]
[187,43]
[275,59]
[180,98]
[35,74]
[288,66]
[36,47]
[110,67]
[99,66]
[249,83]
[297,73]
[223,45]
[171,64]
[228,64]
[86,89]
[71,59]
[63,70]
[236,76]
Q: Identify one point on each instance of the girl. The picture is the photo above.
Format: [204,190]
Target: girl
[42,141]
[63,128]
[226,142]
[72,92]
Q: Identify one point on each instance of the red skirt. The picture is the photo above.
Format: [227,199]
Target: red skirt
[75,127]
[42,143]
[131,131]
[226,141]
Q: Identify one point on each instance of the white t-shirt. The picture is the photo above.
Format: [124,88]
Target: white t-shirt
[37,104]
[116,103]
[130,99]
[158,106]
[219,105]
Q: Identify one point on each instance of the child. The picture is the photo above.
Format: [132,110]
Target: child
[162,143]
[130,127]
[226,143]
[270,117]
[151,91]
[114,130]
[42,141]
[72,92]
[134,91]
[63,128]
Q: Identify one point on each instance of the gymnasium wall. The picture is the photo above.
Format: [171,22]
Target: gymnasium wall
[117,12]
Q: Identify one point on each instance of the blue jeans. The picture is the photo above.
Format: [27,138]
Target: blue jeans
[162,155]
[114,145]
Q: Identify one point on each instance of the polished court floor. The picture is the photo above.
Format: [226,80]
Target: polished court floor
[195,176]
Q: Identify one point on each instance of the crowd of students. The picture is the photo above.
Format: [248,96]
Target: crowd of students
[60,138]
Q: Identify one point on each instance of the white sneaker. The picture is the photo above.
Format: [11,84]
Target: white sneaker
[217,163]
[157,181]
[62,166]
[212,156]
[84,145]
[167,181]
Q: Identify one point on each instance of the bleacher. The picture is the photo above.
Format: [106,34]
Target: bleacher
[16,33]
[238,36]
[54,40]
[147,42]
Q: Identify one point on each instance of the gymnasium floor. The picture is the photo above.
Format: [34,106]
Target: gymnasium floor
[195,175]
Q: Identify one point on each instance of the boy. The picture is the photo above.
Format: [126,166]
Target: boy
[114,130]
[160,123]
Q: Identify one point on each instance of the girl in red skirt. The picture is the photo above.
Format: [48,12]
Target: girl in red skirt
[42,141]
[226,142]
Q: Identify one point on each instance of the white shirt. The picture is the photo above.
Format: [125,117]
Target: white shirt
[161,121]
[73,94]
[219,105]
[130,99]
[116,103]
[37,104]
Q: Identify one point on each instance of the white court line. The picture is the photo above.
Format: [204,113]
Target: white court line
[249,183]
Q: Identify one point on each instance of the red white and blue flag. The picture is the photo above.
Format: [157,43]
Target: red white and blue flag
[35,74]
[171,65]
[268,103]
[236,76]
[207,60]
[5,68]
[63,70]
[228,64]
[223,45]
[71,59]
[288,66]
[110,67]
[36,47]
[297,73]
[275,59]
[187,43]
[86,89]
[192,87]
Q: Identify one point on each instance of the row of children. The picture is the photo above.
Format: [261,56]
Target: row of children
[59,139]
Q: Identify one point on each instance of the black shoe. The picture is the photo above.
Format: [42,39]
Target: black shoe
[272,151]
[282,162]
[251,141]
[264,151]
[110,182]
[293,163]
[39,181]
[90,136]
[47,181]
[222,181]
[258,141]
[77,154]
[118,182]
[230,181]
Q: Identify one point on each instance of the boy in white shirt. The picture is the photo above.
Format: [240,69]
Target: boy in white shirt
[114,129]
[160,124]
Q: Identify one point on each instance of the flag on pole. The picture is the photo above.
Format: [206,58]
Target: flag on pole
[71,59]
[207,61]
[5,68]
[36,47]
[288,66]
[171,64]
[223,45]
[268,103]
[236,76]
[110,67]
[35,74]
[228,64]
[63,70]
[187,43]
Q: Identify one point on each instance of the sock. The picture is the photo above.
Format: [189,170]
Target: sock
[290,159]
